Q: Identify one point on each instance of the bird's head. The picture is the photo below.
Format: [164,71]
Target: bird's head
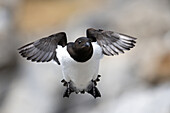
[81,50]
[83,44]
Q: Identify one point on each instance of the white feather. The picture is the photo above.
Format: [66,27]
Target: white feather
[79,73]
[125,37]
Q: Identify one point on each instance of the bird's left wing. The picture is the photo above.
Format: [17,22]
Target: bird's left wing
[43,50]
[112,43]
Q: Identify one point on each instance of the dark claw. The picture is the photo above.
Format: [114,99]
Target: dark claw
[83,92]
[65,83]
[96,80]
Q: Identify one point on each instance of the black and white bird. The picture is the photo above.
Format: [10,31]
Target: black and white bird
[80,59]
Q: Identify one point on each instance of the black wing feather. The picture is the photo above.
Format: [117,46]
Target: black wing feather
[43,50]
[112,43]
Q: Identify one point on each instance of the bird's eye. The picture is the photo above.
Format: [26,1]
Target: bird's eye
[79,41]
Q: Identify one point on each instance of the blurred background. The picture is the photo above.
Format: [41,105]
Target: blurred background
[135,82]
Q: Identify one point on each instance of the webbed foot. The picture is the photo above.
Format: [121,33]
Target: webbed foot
[68,90]
[93,90]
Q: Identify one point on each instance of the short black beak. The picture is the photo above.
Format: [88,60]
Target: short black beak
[87,44]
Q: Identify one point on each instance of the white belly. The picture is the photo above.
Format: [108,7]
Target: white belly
[79,73]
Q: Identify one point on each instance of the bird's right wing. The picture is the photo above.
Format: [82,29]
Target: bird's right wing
[112,43]
[44,50]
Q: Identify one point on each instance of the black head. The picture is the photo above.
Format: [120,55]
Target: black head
[81,50]
[82,44]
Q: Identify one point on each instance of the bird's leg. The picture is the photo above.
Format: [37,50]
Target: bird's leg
[92,89]
[96,80]
[68,90]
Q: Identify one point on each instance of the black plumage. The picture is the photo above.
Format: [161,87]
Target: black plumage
[112,43]
[43,50]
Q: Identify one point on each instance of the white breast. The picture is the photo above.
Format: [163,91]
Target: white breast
[79,73]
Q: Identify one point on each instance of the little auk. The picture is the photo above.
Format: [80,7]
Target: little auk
[80,59]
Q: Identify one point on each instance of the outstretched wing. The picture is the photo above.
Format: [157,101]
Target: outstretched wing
[112,43]
[43,50]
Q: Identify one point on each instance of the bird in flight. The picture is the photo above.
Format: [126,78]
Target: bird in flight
[80,59]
